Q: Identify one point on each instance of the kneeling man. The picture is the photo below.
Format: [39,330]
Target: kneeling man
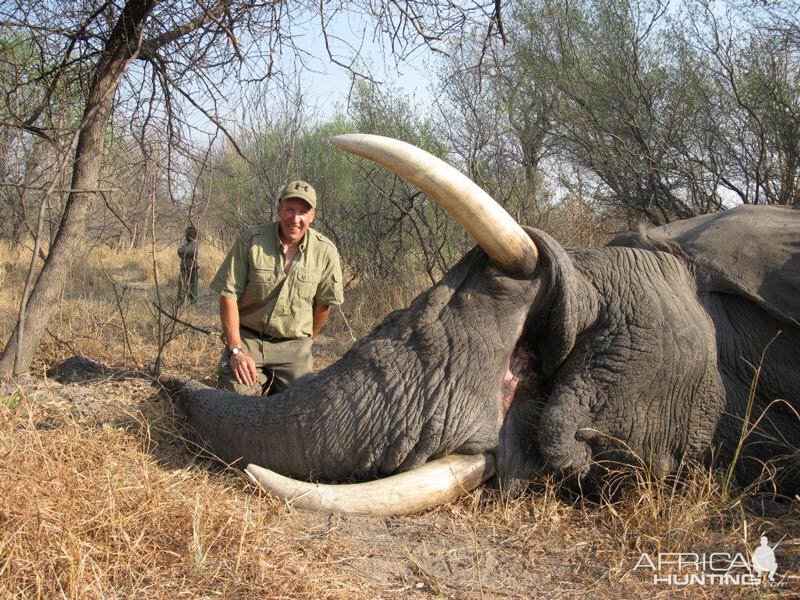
[276,287]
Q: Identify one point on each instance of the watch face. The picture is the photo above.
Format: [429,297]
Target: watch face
[235,351]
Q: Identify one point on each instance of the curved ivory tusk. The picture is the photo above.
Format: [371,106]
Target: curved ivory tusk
[436,482]
[501,237]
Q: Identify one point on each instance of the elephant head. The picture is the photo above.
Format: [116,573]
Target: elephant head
[550,359]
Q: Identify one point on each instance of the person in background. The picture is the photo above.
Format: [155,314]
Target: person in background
[187,284]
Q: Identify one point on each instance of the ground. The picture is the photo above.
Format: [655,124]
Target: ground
[104,497]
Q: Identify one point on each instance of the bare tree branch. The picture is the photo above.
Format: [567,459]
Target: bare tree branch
[150,46]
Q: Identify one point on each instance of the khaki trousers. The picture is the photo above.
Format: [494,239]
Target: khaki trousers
[279,363]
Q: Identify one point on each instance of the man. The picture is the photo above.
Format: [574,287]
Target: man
[187,284]
[276,287]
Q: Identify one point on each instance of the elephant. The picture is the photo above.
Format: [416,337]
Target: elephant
[670,344]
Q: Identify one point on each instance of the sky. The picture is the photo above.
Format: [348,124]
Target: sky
[326,84]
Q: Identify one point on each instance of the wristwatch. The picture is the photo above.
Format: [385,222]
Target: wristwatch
[236,351]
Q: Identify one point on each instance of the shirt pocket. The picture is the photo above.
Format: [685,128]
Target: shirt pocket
[262,276]
[306,283]
[259,285]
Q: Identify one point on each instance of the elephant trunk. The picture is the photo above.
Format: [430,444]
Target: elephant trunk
[227,424]
[301,432]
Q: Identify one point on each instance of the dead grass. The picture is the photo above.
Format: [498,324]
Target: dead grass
[116,505]
[90,513]
[101,498]
[89,320]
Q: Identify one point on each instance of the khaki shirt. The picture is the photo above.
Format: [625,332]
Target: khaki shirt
[270,301]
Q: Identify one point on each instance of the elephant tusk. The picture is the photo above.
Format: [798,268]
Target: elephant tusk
[436,482]
[501,237]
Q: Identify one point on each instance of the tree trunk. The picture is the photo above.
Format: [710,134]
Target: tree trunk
[121,47]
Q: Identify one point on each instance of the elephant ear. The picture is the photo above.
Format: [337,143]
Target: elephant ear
[564,311]
[749,251]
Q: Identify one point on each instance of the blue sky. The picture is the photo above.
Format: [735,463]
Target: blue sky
[326,84]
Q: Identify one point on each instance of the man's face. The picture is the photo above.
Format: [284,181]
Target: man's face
[295,216]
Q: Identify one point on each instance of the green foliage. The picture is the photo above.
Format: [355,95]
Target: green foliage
[621,101]
[39,107]
[34,87]
[758,121]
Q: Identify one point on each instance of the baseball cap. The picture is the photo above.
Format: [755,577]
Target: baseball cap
[299,189]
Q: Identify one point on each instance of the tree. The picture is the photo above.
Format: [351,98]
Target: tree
[30,151]
[624,104]
[496,121]
[662,111]
[154,59]
[119,47]
[751,100]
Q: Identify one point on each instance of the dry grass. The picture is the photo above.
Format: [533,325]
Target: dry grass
[101,498]
[92,513]
[89,320]
[115,505]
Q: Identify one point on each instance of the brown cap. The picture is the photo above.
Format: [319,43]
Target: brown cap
[299,189]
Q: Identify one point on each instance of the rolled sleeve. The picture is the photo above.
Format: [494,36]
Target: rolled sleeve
[330,289]
[231,278]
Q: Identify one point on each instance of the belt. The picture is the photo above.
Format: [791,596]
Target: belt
[264,336]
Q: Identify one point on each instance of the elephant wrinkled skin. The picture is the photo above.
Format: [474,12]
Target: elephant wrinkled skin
[640,352]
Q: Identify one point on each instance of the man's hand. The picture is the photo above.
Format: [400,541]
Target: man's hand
[244,368]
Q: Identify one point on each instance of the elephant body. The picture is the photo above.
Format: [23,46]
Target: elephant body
[643,352]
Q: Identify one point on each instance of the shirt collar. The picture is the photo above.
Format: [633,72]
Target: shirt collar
[282,246]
